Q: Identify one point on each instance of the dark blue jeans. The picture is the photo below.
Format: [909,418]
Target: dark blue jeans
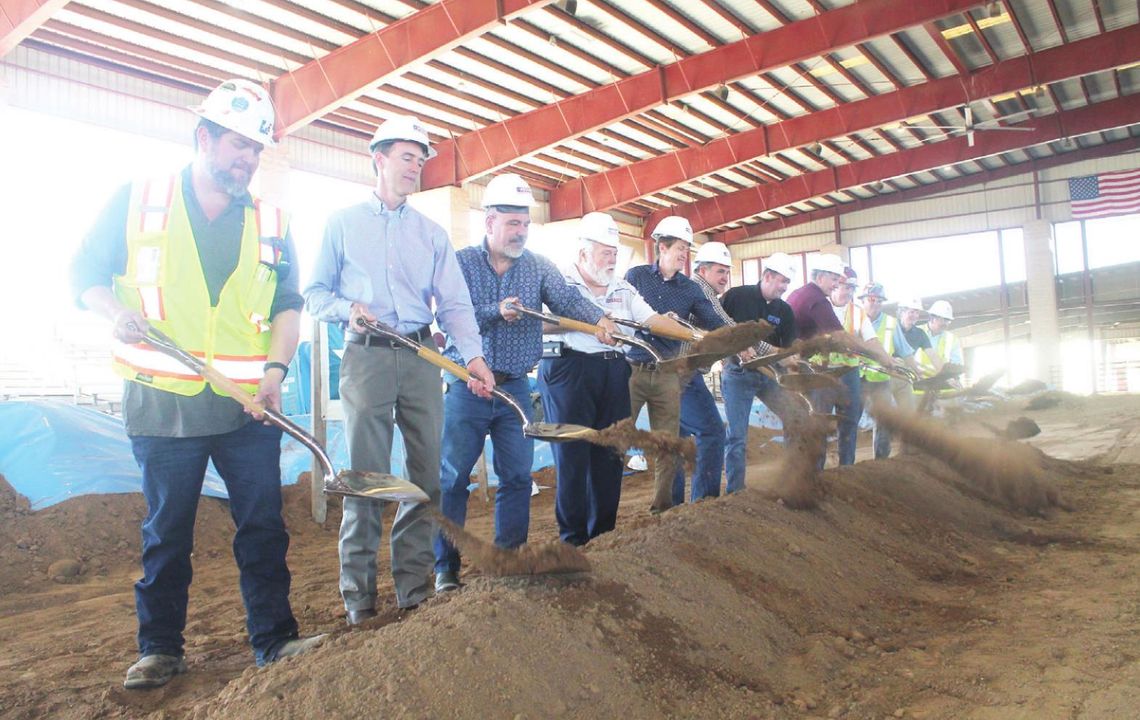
[739,388]
[467,420]
[700,419]
[593,392]
[248,460]
[848,405]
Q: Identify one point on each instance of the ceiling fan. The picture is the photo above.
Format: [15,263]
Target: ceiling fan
[970,127]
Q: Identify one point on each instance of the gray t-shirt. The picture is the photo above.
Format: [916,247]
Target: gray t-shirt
[147,410]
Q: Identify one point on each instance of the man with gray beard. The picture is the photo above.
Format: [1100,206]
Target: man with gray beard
[589,385]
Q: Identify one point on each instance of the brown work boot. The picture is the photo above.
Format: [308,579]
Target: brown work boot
[154,671]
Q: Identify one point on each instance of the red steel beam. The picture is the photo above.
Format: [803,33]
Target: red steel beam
[752,232]
[328,82]
[20,18]
[626,184]
[487,149]
[735,206]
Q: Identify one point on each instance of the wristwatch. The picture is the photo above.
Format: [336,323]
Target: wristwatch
[280,366]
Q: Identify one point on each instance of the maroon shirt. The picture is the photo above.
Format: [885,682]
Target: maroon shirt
[813,312]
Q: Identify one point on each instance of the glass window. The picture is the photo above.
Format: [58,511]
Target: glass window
[1068,254]
[1113,241]
[750,269]
[861,263]
[936,266]
[1013,250]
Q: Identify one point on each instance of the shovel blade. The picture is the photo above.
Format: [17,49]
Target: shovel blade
[558,432]
[374,486]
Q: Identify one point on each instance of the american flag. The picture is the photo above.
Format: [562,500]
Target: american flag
[1114,193]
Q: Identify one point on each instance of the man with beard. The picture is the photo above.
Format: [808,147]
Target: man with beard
[700,417]
[194,256]
[667,290]
[383,260]
[501,273]
[739,386]
[589,385]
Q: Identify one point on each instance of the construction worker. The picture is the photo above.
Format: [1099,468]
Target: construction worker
[501,273]
[382,260]
[588,385]
[811,303]
[194,256]
[739,386]
[878,386]
[849,404]
[944,344]
[667,290]
[700,418]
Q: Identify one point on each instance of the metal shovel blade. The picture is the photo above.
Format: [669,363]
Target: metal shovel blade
[558,432]
[766,360]
[374,486]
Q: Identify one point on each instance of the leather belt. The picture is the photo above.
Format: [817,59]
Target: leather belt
[370,340]
[501,378]
[604,355]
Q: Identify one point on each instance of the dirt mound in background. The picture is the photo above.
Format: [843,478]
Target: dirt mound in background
[726,608]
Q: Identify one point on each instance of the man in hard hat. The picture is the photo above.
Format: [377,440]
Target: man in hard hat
[667,290]
[194,256]
[588,385]
[910,338]
[878,386]
[811,303]
[501,273]
[382,260]
[700,418]
[748,303]
[944,344]
[849,403]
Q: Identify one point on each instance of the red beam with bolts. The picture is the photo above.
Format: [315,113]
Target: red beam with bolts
[752,232]
[735,206]
[328,82]
[20,18]
[487,149]
[612,188]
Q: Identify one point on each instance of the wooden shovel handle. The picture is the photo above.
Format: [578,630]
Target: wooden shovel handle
[231,388]
[442,362]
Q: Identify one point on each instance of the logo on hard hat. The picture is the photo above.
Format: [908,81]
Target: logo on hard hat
[239,104]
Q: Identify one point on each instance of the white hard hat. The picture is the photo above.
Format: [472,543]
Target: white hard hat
[826,262]
[508,189]
[942,309]
[782,264]
[912,302]
[714,252]
[599,227]
[674,226]
[402,127]
[243,107]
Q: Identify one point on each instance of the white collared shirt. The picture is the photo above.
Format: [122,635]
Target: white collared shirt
[620,300]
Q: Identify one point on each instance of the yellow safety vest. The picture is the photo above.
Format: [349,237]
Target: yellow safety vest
[164,281]
[946,342]
[886,335]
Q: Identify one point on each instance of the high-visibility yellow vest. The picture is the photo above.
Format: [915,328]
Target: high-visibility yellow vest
[946,342]
[164,281]
[886,335]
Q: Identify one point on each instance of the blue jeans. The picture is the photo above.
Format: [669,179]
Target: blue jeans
[249,461]
[700,419]
[879,392]
[593,392]
[467,420]
[848,404]
[739,387]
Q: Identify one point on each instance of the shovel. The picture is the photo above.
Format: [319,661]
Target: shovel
[691,334]
[550,432]
[580,326]
[369,485]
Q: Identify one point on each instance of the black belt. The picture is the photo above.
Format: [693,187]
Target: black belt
[501,378]
[604,355]
[370,340]
[649,365]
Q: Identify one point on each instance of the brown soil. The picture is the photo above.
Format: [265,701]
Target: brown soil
[731,339]
[624,434]
[906,592]
[549,558]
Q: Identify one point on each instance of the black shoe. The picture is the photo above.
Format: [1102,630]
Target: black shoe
[356,617]
[446,582]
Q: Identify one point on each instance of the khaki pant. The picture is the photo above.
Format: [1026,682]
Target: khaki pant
[661,391]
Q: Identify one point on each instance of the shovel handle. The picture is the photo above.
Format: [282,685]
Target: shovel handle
[231,388]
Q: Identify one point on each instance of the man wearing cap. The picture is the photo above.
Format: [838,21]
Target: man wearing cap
[667,290]
[501,273]
[589,385]
[878,387]
[739,386]
[382,260]
[700,418]
[194,256]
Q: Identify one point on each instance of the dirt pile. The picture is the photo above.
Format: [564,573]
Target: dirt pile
[1007,472]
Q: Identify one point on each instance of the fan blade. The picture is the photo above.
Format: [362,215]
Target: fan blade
[1012,129]
[937,127]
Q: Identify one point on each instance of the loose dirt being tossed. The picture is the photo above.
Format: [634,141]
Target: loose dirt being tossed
[624,434]
[550,558]
[731,339]
[906,592]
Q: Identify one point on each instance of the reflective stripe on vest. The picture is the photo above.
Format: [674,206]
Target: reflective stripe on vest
[164,281]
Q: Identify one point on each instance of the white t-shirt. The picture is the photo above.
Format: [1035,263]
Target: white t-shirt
[621,300]
[866,329]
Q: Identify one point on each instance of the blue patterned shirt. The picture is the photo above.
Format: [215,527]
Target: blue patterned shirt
[515,348]
[678,294]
